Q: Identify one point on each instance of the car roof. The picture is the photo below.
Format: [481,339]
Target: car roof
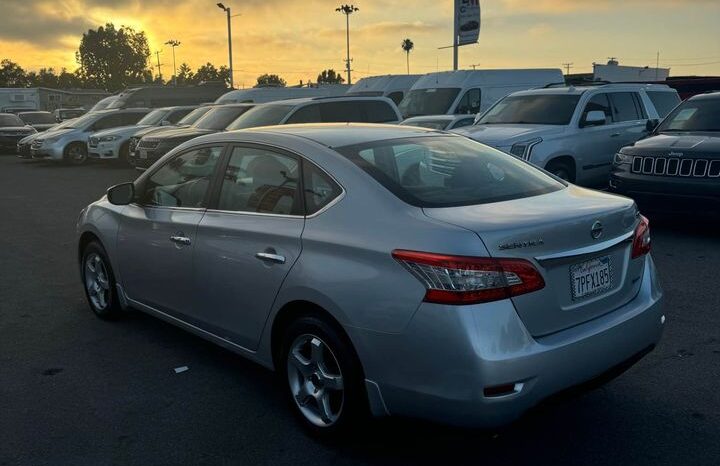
[332,134]
[707,96]
[438,117]
[335,98]
[578,90]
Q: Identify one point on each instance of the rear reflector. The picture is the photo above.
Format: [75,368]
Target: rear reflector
[641,241]
[469,280]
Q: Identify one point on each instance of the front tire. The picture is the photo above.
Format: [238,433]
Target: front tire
[99,282]
[75,153]
[561,169]
[323,376]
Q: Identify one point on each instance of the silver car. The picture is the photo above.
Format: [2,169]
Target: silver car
[380,269]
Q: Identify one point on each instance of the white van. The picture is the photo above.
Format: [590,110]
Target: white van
[261,95]
[392,86]
[470,91]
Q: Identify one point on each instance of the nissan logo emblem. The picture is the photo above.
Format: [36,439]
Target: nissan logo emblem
[596,230]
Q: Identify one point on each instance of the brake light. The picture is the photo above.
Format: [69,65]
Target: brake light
[641,241]
[470,280]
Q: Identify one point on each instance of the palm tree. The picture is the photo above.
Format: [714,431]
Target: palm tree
[407,46]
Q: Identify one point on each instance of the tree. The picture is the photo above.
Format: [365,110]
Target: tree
[407,46]
[12,75]
[208,72]
[270,80]
[113,58]
[185,75]
[329,77]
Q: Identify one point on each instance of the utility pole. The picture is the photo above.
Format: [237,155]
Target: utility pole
[657,65]
[347,10]
[455,36]
[173,43]
[567,67]
[229,28]
[157,54]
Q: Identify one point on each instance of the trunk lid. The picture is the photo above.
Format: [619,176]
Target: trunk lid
[555,232]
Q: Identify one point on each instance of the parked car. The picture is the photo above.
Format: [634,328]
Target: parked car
[392,86]
[468,92]
[167,96]
[12,130]
[441,122]
[39,120]
[62,114]
[343,109]
[186,121]
[263,94]
[573,132]
[24,144]
[69,144]
[677,168]
[114,143]
[389,269]
[154,145]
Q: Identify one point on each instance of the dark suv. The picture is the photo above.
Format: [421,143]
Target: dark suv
[677,167]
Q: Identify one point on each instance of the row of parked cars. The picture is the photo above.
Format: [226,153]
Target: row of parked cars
[574,132]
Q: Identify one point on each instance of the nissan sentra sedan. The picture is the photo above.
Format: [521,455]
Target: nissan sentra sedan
[380,270]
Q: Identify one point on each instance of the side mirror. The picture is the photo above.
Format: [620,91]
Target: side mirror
[594,118]
[121,194]
[651,125]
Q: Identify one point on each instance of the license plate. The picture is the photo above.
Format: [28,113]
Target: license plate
[591,277]
[143,154]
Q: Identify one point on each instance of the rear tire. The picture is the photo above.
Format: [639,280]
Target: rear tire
[322,376]
[75,153]
[124,155]
[99,282]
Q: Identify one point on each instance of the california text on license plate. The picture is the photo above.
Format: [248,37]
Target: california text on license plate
[590,277]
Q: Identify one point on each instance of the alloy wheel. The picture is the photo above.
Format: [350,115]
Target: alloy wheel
[76,154]
[97,281]
[316,381]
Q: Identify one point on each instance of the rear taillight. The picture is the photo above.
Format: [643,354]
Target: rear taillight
[641,241]
[469,280]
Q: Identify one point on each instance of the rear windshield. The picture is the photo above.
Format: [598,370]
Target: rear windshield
[220,117]
[264,115]
[35,118]
[664,102]
[546,109]
[10,120]
[194,116]
[448,171]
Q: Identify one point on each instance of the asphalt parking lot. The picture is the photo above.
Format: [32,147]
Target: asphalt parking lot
[76,390]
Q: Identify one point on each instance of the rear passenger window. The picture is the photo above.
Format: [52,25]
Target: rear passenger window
[625,107]
[470,103]
[320,190]
[598,102]
[260,181]
[306,114]
[664,102]
[377,111]
[341,112]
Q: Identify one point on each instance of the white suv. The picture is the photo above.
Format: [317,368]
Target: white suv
[573,132]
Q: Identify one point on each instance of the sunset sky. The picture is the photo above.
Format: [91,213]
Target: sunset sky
[297,39]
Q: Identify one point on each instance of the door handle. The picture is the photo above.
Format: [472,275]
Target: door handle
[268,257]
[179,239]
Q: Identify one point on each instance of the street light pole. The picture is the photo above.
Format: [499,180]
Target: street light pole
[229,28]
[347,10]
[173,43]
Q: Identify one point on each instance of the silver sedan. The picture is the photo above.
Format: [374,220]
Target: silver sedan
[380,270]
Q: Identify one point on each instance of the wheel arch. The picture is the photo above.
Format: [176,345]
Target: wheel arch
[86,238]
[565,159]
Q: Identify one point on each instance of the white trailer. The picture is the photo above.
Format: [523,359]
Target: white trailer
[270,94]
[392,86]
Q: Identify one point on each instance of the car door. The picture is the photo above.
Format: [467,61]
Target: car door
[157,233]
[247,242]
[629,118]
[593,146]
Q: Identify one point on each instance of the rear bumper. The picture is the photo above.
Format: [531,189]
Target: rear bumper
[441,365]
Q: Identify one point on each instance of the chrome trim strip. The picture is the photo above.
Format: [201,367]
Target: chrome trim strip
[588,249]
